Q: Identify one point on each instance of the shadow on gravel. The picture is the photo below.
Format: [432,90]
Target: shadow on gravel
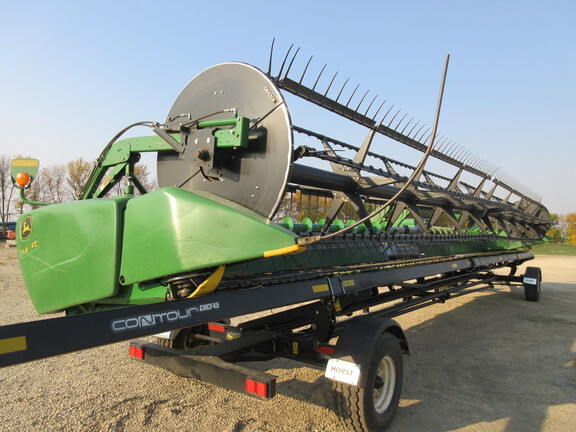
[495,359]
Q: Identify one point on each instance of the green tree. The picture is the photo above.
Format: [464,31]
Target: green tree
[65,182]
[556,233]
[54,178]
[571,227]
[78,172]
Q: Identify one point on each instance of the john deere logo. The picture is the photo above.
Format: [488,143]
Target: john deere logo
[26,228]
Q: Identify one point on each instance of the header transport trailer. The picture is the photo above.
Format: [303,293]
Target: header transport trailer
[254,213]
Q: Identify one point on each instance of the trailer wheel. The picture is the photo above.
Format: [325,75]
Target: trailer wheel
[532,279]
[372,408]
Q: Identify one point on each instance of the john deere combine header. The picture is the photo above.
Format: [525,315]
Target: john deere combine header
[255,212]
[232,175]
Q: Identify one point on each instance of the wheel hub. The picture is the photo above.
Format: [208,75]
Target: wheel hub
[384,384]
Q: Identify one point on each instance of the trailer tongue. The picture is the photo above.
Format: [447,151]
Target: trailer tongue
[253,213]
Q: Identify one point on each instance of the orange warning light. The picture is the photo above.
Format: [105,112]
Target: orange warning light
[22,179]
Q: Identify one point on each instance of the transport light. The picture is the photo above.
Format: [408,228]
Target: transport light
[22,179]
[216,327]
[256,387]
[137,352]
[325,350]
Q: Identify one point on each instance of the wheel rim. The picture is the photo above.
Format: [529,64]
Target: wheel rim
[385,382]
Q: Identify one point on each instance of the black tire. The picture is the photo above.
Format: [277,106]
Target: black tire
[372,408]
[532,290]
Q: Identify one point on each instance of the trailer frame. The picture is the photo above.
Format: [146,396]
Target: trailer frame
[356,307]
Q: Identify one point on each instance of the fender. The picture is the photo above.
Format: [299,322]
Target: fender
[357,340]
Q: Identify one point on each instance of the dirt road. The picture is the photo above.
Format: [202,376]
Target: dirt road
[489,361]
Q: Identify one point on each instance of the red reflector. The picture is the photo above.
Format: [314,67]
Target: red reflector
[216,327]
[136,352]
[325,350]
[255,387]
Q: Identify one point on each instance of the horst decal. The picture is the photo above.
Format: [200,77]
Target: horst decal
[343,371]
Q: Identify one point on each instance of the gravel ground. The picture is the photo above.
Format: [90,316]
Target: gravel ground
[489,361]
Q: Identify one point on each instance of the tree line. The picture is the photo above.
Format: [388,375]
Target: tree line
[64,182]
[55,184]
[563,229]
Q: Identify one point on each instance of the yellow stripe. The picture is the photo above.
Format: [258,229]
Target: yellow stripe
[320,288]
[13,344]
[294,249]
[25,162]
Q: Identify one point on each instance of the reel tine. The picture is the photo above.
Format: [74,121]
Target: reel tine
[362,100]
[452,150]
[469,159]
[479,163]
[418,131]
[441,145]
[341,90]
[438,139]
[407,124]
[488,167]
[444,146]
[467,156]
[484,165]
[370,106]
[386,115]
[472,160]
[448,148]
[413,127]
[458,155]
[284,62]
[425,132]
[330,85]
[378,110]
[475,162]
[408,132]
[423,141]
[500,171]
[400,122]
[318,79]
[393,117]
[305,69]
[457,152]
[352,95]
[291,62]
[270,58]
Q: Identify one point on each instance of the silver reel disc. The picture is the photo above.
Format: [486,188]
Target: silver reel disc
[254,177]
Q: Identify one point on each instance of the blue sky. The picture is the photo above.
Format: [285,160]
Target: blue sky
[74,73]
